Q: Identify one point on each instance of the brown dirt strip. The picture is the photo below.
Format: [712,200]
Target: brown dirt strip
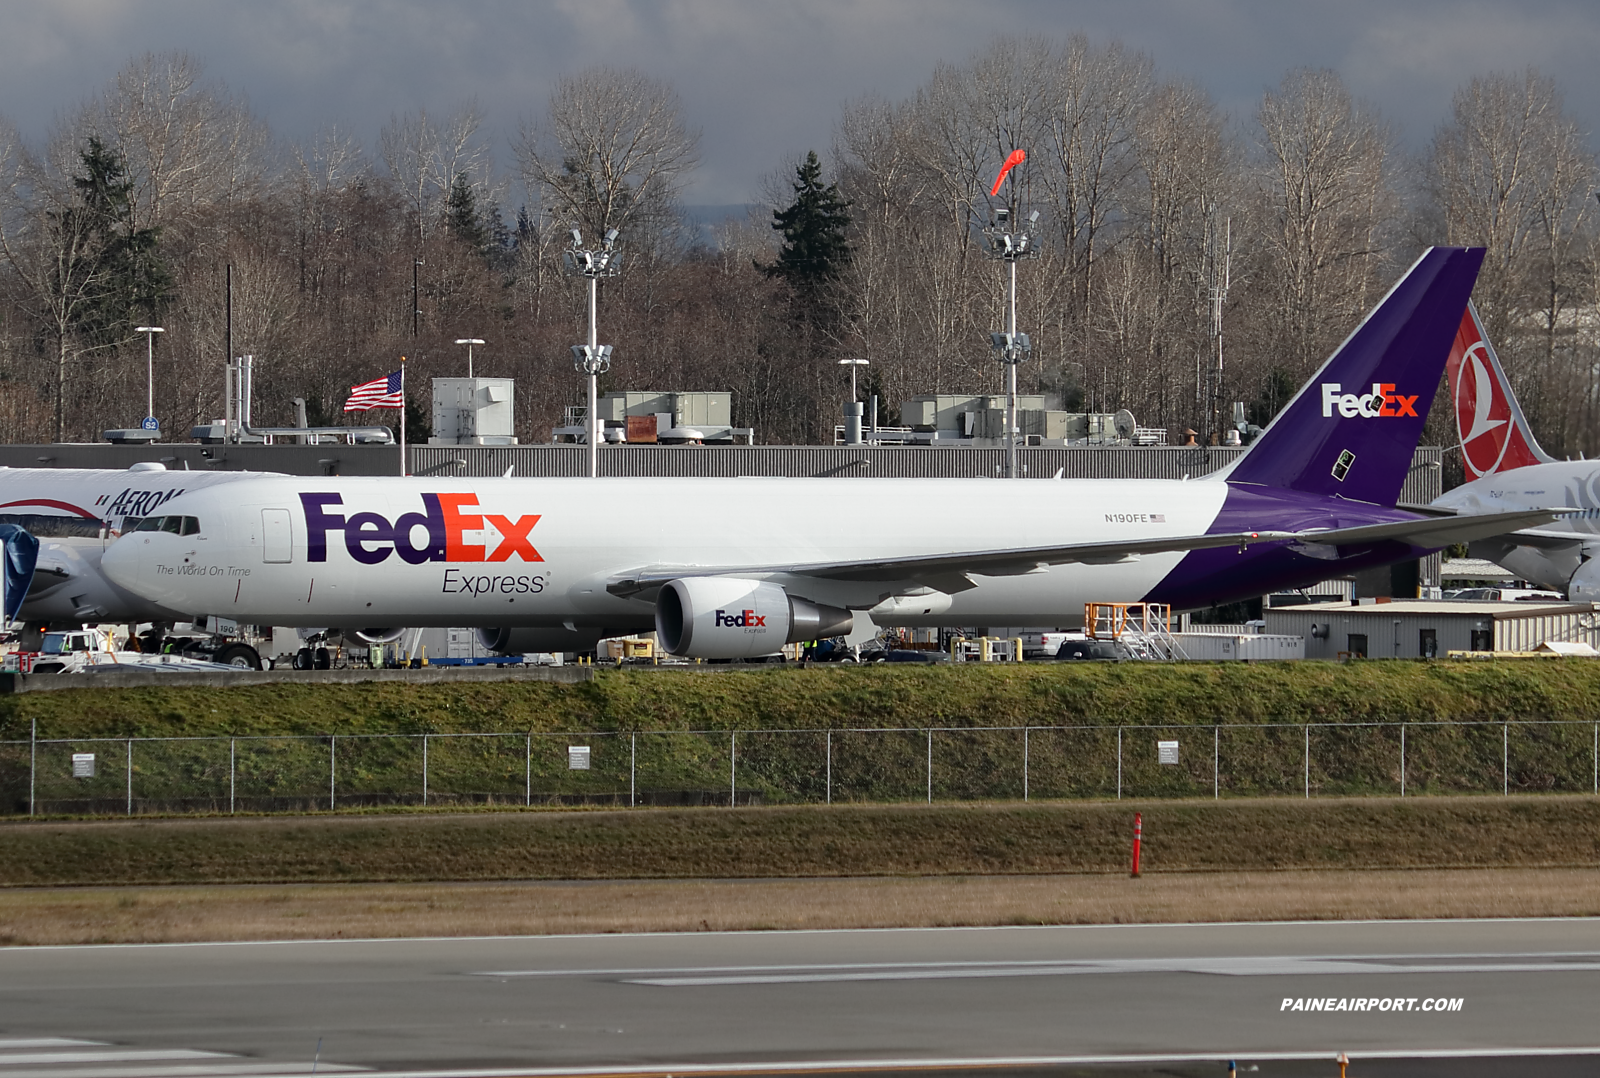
[325,911]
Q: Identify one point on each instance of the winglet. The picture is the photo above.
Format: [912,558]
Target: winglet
[1352,430]
[1493,431]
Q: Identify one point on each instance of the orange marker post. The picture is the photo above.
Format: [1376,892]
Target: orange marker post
[1138,836]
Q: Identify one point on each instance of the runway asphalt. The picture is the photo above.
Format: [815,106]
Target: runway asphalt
[1134,1000]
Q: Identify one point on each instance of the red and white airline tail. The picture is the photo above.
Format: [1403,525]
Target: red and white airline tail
[1493,431]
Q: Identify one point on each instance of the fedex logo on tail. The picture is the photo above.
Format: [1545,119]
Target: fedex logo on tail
[446,519]
[744,619]
[1382,403]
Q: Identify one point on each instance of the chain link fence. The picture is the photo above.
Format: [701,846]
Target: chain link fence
[96,776]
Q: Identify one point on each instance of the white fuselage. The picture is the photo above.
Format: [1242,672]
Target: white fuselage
[75,513]
[541,552]
[1549,555]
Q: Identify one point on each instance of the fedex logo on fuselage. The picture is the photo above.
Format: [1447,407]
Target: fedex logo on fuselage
[1382,403]
[446,518]
[744,619]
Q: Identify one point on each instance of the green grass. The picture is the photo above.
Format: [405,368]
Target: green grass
[810,841]
[836,696]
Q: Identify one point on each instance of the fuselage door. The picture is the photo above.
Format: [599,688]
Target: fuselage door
[276,538]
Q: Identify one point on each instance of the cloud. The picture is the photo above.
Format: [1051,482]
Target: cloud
[764,82]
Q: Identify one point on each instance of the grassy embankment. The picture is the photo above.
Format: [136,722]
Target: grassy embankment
[970,762]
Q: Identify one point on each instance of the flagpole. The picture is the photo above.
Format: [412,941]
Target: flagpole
[402,416]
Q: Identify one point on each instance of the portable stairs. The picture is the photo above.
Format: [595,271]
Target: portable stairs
[1140,630]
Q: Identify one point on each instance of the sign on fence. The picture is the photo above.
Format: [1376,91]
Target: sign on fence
[83,765]
[1168,751]
[577,757]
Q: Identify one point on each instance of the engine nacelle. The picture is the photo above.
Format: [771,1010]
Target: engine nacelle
[1584,587]
[717,617]
[378,636]
[507,640]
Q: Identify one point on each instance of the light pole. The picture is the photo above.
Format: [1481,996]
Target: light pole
[852,411]
[469,342]
[150,332]
[1008,243]
[594,358]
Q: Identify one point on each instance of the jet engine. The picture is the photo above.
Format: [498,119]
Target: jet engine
[378,636]
[1584,587]
[508,640]
[716,617]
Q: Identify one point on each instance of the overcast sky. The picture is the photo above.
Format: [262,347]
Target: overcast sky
[763,80]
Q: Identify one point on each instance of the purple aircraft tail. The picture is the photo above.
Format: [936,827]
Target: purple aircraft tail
[1351,431]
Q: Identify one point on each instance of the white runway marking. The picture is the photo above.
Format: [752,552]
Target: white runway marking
[105,1055]
[69,1057]
[1249,966]
[214,1070]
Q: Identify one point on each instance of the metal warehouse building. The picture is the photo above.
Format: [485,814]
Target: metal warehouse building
[1408,630]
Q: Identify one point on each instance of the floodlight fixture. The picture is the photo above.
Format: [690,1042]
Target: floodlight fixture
[593,358]
[149,372]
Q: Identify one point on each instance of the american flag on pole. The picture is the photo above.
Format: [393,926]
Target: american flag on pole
[382,392]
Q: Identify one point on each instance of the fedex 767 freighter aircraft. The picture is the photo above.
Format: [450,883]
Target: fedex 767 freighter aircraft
[725,568]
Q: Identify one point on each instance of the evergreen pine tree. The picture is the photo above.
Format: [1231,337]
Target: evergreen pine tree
[134,280]
[461,213]
[814,248]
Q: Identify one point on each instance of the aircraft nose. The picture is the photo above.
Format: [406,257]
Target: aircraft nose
[121,562]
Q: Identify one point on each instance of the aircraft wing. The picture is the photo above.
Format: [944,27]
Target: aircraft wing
[949,572]
[1437,532]
[1013,561]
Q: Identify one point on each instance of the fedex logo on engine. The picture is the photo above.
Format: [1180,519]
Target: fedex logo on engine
[744,619]
[1382,403]
[443,525]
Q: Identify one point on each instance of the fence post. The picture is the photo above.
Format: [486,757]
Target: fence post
[1402,759]
[633,769]
[1505,759]
[1024,765]
[130,776]
[231,773]
[1119,763]
[527,771]
[829,766]
[424,770]
[1597,757]
[1216,763]
[33,761]
[1308,761]
[333,741]
[930,765]
[733,774]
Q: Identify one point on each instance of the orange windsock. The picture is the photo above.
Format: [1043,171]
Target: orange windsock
[1016,158]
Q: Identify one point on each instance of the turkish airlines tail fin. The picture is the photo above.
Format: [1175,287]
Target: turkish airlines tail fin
[1493,431]
[1352,430]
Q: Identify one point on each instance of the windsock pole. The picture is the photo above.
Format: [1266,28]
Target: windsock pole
[1138,837]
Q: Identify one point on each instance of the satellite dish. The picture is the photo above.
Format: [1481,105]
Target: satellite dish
[1124,423]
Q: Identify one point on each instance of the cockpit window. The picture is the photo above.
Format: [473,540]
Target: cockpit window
[174,525]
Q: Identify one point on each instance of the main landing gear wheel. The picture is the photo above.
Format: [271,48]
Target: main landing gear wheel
[242,656]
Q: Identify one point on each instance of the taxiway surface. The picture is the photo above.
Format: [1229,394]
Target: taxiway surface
[1023,998]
